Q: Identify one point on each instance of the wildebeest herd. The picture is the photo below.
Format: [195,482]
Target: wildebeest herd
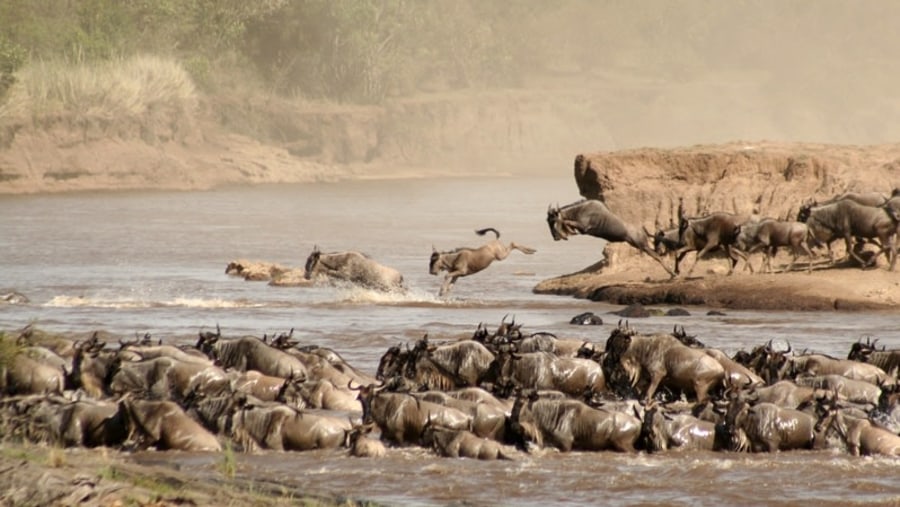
[491,395]
[857,218]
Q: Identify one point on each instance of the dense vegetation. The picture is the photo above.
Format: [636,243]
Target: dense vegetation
[363,50]
[95,60]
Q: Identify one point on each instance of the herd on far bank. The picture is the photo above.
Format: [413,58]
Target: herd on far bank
[857,218]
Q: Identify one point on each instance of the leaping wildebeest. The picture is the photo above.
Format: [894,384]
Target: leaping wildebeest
[465,261]
[355,268]
[592,217]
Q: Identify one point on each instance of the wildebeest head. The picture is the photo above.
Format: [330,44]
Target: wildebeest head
[860,351]
[734,419]
[206,340]
[553,220]
[391,363]
[311,262]
[804,211]
[686,339]
[434,263]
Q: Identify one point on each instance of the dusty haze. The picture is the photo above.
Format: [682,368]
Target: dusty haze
[603,76]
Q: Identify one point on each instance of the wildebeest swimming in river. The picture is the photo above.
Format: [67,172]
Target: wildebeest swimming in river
[355,268]
[592,217]
[466,261]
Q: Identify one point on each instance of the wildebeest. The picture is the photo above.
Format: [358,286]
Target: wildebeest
[856,391]
[25,375]
[80,423]
[766,427]
[256,384]
[166,377]
[593,218]
[586,319]
[465,261]
[661,431]
[860,435]
[453,443]
[279,427]
[464,362]
[353,267]
[318,393]
[249,353]
[664,361]
[488,419]
[361,446]
[542,370]
[847,219]
[402,417]
[572,425]
[820,364]
[164,425]
[710,232]
[887,360]
[769,234]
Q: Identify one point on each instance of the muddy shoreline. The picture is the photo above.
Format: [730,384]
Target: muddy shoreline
[842,288]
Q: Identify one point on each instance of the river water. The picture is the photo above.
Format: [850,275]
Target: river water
[138,262]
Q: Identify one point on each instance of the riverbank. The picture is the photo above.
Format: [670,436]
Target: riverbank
[32,475]
[638,279]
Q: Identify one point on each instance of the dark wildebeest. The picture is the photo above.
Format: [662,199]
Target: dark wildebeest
[662,359]
[84,423]
[353,267]
[572,425]
[593,218]
[402,417]
[447,366]
[769,234]
[164,425]
[887,360]
[710,232]
[848,219]
[467,261]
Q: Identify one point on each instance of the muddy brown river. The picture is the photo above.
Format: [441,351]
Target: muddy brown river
[136,262]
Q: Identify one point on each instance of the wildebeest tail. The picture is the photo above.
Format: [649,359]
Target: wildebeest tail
[482,232]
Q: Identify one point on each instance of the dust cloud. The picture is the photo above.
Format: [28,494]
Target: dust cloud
[621,74]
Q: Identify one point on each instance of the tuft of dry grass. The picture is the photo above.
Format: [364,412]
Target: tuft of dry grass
[122,88]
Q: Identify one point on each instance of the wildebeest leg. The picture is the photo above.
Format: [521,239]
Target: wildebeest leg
[655,379]
[892,250]
[700,254]
[521,248]
[449,280]
[852,251]
[733,254]
[653,255]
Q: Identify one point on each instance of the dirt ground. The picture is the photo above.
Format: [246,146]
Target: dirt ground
[634,278]
[41,476]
